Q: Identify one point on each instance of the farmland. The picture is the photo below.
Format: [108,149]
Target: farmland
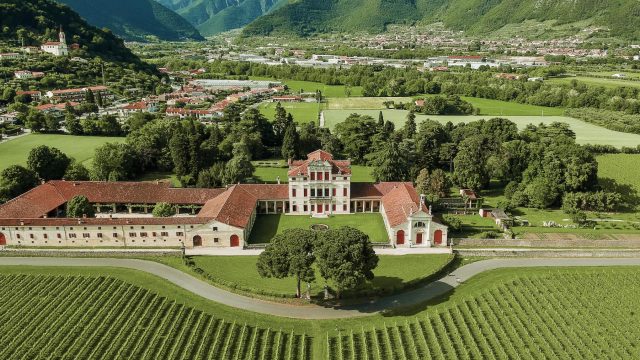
[90,316]
[594,81]
[531,313]
[487,106]
[585,133]
[302,112]
[81,148]
[507,314]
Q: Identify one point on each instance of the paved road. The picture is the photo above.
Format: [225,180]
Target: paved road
[412,297]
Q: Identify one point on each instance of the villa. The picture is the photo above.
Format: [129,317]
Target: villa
[318,187]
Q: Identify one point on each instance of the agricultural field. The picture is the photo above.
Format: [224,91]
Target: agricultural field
[302,112]
[604,82]
[82,314]
[552,313]
[267,226]
[296,86]
[586,133]
[620,169]
[393,272]
[269,174]
[487,106]
[81,148]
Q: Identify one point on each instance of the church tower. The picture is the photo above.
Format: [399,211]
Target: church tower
[62,36]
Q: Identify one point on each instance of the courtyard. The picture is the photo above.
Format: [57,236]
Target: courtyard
[267,226]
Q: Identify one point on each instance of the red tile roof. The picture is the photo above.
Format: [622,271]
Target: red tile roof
[268,191]
[47,197]
[178,220]
[233,207]
[301,166]
[400,202]
[370,190]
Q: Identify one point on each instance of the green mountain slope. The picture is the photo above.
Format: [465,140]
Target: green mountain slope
[37,21]
[306,17]
[135,19]
[215,16]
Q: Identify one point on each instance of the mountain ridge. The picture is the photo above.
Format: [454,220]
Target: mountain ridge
[135,20]
[478,17]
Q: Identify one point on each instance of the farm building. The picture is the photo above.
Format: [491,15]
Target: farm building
[318,186]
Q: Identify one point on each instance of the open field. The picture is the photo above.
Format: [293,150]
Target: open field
[608,83]
[296,86]
[302,112]
[510,314]
[83,314]
[266,226]
[81,148]
[267,174]
[623,169]
[392,273]
[585,132]
[487,106]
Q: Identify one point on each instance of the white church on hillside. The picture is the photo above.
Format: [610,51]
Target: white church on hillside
[57,48]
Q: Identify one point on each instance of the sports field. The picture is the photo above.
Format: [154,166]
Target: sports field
[267,226]
[81,148]
[586,133]
[297,86]
[302,112]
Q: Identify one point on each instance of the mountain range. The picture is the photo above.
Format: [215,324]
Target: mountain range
[215,16]
[136,20]
[481,17]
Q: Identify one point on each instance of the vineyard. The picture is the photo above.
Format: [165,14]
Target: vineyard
[97,317]
[540,314]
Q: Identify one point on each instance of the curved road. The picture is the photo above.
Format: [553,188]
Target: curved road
[412,297]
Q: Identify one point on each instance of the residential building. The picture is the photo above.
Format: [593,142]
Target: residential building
[79,94]
[26,74]
[10,56]
[35,95]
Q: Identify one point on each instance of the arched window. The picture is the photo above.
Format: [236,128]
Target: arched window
[419,224]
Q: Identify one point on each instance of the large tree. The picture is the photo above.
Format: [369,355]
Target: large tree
[290,143]
[163,209]
[345,258]
[79,206]
[15,180]
[239,168]
[390,164]
[48,162]
[356,134]
[435,183]
[410,125]
[114,162]
[76,171]
[289,254]
[470,169]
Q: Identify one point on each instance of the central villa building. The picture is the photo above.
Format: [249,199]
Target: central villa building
[319,186]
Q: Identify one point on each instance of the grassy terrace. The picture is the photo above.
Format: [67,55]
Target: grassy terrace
[267,226]
[81,148]
[392,272]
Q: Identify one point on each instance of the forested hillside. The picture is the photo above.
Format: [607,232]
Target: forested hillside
[135,19]
[37,21]
[214,16]
[307,17]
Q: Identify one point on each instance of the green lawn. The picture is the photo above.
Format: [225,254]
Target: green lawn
[620,169]
[269,174]
[296,86]
[302,112]
[81,148]
[487,106]
[392,273]
[267,226]
[586,133]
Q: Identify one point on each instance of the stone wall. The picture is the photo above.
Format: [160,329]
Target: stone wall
[549,253]
[625,242]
